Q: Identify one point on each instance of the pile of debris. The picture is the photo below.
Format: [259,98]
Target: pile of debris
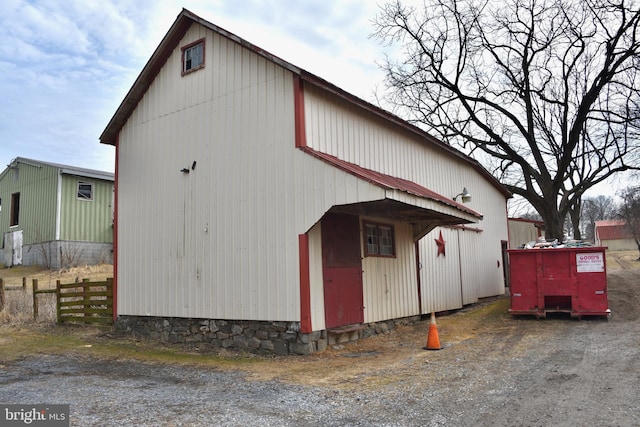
[542,243]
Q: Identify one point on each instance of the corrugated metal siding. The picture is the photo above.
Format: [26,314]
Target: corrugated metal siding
[222,240]
[316,281]
[521,232]
[470,270]
[440,276]
[472,267]
[86,220]
[390,284]
[37,185]
[375,144]
[207,243]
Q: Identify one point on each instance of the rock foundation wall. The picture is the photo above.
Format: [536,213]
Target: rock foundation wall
[282,338]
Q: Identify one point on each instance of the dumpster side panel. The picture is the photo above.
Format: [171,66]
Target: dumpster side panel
[524,289]
[592,283]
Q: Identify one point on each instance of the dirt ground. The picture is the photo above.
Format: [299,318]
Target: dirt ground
[494,369]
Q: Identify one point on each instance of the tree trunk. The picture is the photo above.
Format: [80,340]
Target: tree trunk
[553,227]
[574,213]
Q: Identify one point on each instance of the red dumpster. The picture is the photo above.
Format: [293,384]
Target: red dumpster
[569,280]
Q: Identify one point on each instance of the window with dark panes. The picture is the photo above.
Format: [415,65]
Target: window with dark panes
[379,240]
[193,57]
[85,190]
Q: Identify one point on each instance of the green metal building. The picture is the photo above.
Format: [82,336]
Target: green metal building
[55,215]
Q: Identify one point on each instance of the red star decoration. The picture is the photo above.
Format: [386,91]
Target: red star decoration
[440,242]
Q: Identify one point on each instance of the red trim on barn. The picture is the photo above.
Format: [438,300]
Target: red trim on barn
[305,285]
[115,235]
[298,105]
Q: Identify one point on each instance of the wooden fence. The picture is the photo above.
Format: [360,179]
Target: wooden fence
[85,302]
[82,302]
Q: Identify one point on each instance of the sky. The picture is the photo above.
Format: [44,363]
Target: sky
[66,65]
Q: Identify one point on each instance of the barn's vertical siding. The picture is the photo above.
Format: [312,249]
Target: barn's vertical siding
[86,220]
[37,184]
[219,240]
[213,195]
[471,268]
[209,242]
[316,277]
[440,275]
[390,288]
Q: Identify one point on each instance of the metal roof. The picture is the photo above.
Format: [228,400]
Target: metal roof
[65,169]
[613,229]
[389,182]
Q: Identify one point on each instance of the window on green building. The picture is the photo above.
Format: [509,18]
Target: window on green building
[85,190]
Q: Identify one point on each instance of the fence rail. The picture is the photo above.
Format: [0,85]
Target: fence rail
[85,302]
[81,302]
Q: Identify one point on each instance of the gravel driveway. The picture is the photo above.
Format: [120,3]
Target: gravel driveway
[495,370]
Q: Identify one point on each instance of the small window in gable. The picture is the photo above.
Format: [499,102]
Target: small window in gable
[193,57]
[379,240]
[85,190]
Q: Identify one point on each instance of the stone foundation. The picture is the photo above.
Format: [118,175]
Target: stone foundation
[282,338]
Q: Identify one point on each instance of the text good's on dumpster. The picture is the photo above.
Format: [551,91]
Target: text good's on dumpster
[592,262]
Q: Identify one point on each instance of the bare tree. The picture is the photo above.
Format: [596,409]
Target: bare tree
[596,209]
[629,210]
[545,94]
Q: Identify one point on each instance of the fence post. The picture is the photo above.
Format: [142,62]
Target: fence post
[58,303]
[1,294]
[113,298]
[35,299]
[24,283]
[85,302]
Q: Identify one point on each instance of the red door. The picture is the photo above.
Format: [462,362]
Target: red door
[342,270]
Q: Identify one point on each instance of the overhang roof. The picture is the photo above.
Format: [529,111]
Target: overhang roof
[392,183]
[177,31]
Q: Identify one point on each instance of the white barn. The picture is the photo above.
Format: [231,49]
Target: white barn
[260,206]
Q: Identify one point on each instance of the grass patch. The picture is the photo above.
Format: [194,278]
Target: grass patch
[18,342]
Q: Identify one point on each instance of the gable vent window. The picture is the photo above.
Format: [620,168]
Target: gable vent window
[193,57]
[85,190]
[379,240]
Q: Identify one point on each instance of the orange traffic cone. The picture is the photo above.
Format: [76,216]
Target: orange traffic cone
[433,340]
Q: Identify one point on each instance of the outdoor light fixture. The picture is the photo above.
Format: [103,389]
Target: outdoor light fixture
[466,196]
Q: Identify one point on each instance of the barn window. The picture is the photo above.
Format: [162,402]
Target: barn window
[193,57]
[15,209]
[85,190]
[379,240]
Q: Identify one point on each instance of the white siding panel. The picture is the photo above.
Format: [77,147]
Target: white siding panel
[316,278]
[440,275]
[380,146]
[196,245]
[472,267]
[390,287]
[222,240]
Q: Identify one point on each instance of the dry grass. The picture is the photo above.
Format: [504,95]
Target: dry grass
[19,303]
[630,259]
